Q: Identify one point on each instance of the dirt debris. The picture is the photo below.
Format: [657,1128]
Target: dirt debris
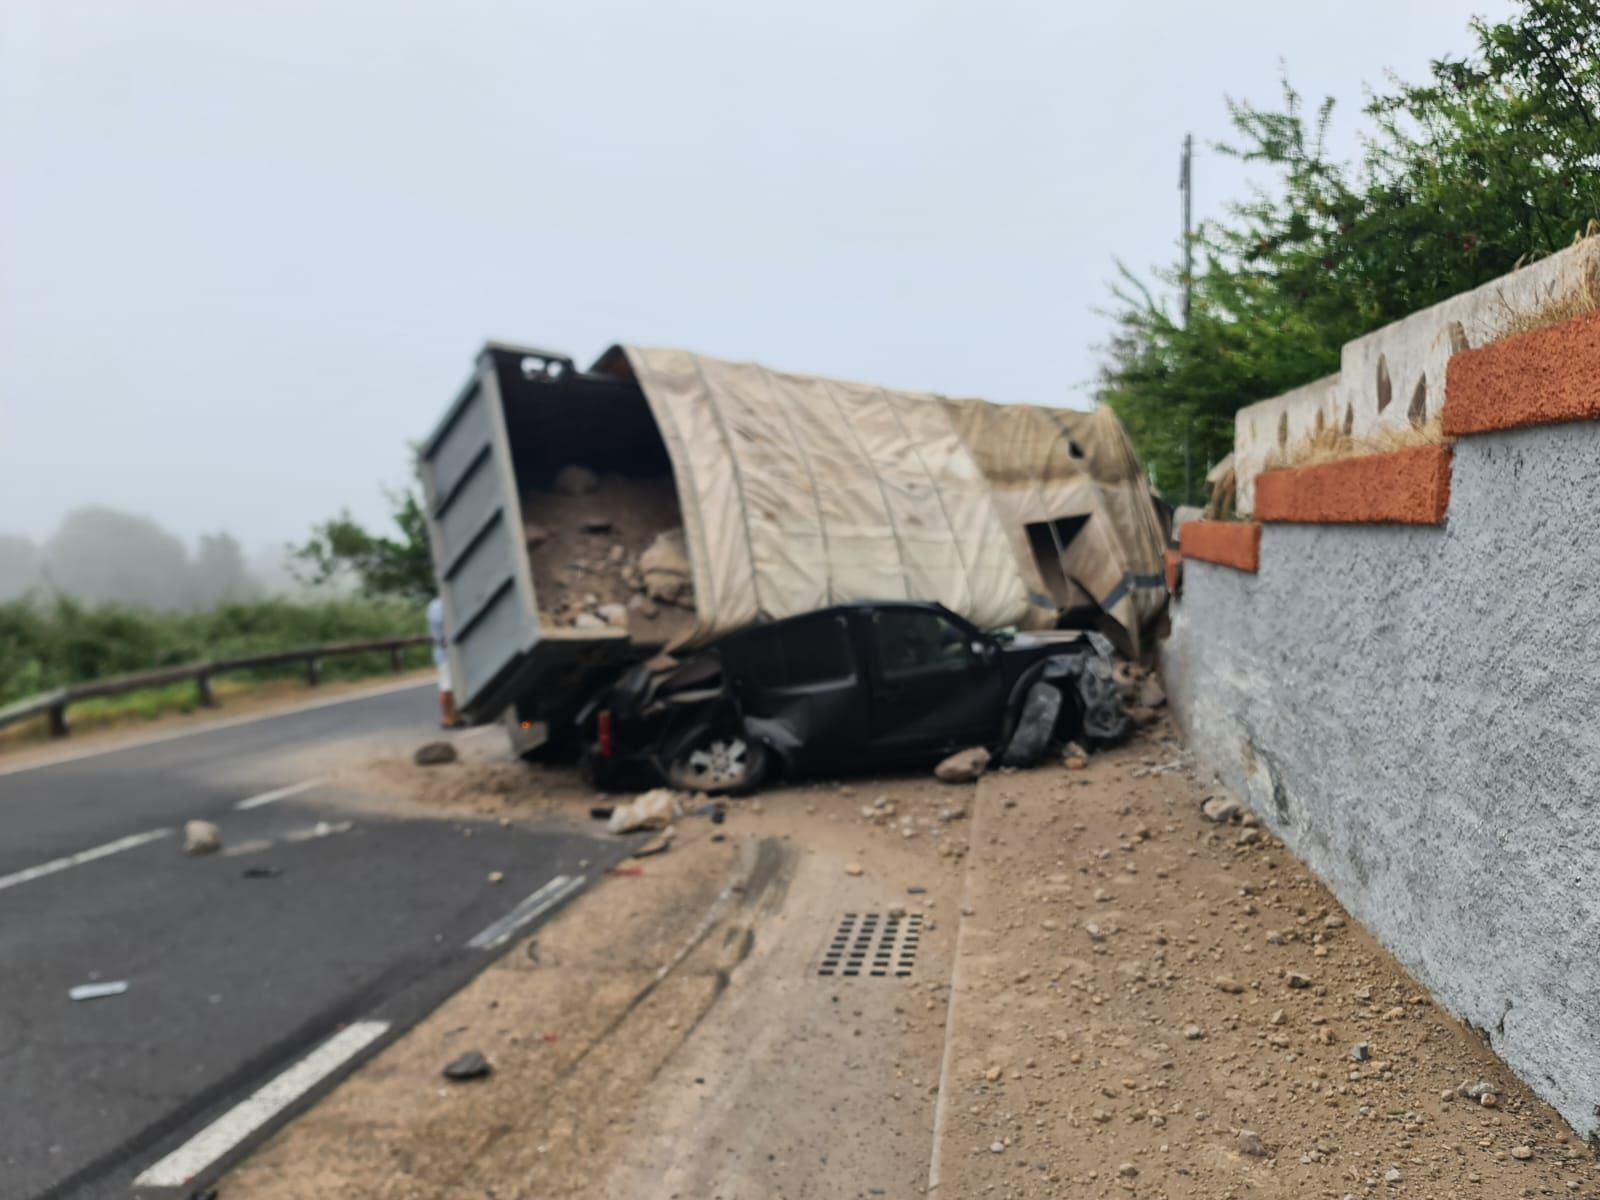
[1205,1035]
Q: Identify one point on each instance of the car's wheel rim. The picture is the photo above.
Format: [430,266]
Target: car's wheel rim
[722,763]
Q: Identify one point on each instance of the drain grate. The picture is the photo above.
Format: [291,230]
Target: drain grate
[873,944]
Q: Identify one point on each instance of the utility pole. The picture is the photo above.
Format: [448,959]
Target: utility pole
[1186,186]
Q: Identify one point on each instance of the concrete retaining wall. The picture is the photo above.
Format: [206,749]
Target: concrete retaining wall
[1412,710]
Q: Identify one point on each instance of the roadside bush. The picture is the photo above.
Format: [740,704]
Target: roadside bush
[51,644]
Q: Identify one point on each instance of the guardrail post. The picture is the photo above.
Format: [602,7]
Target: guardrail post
[394,659]
[58,719]
[313,670]
[202,687]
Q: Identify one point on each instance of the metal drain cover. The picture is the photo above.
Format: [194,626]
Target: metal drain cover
[873,944]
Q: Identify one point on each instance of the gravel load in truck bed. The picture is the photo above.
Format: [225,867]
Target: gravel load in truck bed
[608,551]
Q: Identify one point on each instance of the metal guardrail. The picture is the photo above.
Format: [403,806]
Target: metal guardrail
[54,703]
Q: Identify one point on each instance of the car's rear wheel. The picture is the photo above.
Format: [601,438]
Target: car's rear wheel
[720,763]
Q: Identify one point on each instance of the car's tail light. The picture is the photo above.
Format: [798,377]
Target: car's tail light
[602,727]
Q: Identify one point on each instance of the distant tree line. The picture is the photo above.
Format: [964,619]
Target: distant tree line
[102,556]
[1492,161]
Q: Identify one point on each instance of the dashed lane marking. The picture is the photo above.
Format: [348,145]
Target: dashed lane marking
[83,856]
[272,797]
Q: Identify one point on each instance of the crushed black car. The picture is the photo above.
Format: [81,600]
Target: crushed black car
[856,687]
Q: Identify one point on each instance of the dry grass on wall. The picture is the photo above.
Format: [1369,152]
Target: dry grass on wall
[1556,310]
[1331,445]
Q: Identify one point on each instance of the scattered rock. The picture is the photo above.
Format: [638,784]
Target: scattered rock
[1296,980]
[574,480]
[1277,1018]
[1075,762]
[613,614]
[1392,1175]
[201,837]
[1151,693]
[1361,1051]
[589,620]
[1221,809]
[1489,1100]
[535,535]
[1127,1170]
[853,868]
[1193,1033]
[1226,983]
[964,766]
[656,809]
[665,568]
[1249,1142]
[997,1147]
[1248,837]
[1522,1153]
[497,876]
[433,754]
[992,1074]
[471,1065]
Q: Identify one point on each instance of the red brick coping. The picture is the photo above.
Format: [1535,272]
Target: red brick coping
[1533,378]
[1235,544]
[1404,487]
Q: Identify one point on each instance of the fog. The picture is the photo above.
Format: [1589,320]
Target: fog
[103,556]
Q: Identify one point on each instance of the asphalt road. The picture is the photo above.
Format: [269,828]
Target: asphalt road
[234,981]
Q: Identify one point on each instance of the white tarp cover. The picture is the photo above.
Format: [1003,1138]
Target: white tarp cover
[799,493]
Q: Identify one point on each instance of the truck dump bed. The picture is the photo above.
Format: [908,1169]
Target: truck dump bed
[539,570]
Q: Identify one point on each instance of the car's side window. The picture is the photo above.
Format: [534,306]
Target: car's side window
[917,643]
[804,652]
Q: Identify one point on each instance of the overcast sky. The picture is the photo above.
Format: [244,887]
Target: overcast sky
[247,252]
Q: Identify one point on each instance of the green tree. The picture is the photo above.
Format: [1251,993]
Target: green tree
[398,566]
[1494,160]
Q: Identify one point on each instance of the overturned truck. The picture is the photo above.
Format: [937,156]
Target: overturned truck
[585,521]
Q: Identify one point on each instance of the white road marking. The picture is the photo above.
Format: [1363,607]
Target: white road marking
[541,902]
[277,794]
[239,1122]
[139,743]
[83,856]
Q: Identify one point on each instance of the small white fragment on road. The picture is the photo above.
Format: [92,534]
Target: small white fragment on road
[321,829]
[83,856]
[201,837]
[272,797]
[239,1122]
[97,991]
[535,906]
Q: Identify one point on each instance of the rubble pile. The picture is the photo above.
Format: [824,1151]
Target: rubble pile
[609,552]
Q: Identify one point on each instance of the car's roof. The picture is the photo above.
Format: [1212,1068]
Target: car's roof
[847,606]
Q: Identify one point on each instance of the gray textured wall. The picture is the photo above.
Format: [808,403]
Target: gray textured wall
[1413,712]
